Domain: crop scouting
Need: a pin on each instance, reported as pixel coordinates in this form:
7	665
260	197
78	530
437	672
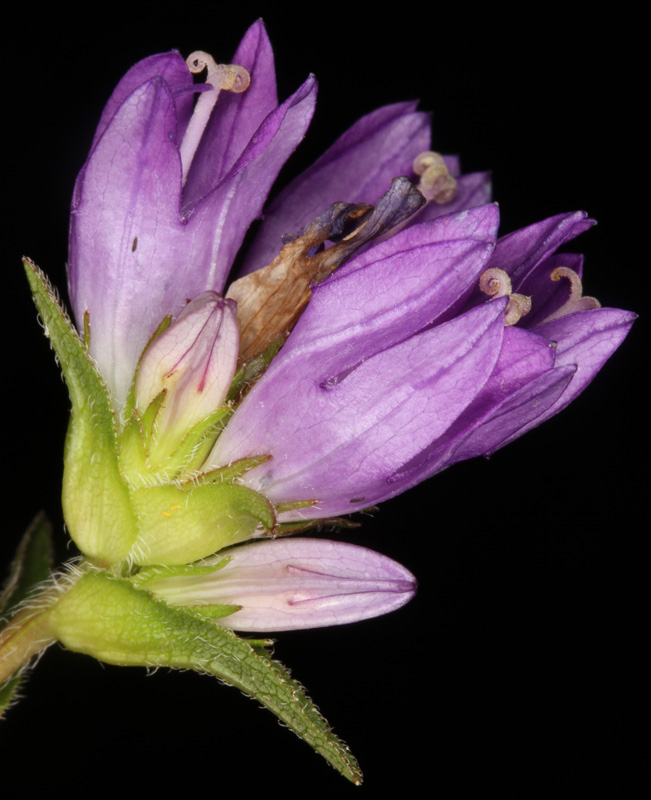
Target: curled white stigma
220	76
496	283
576	301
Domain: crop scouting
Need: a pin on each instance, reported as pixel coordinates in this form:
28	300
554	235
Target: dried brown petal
270	300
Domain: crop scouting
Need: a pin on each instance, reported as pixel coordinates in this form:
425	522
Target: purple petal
472	190
508	397
132	258
394	290
586	339
222	218
583	342
502	423
479	224
522	251
453	164
236	117
122	254
516	414
547	296
293	584
523	357
357	168
339	442
171	68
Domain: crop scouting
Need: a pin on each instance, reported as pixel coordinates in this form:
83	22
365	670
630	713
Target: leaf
112	620
31	566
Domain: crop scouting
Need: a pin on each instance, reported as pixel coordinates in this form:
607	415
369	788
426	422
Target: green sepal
131	397
261	644
179	525
30	567
86	336
289	528
200	439
133	456
280	507
95	498
155	573
252	370
113	621
148	418
146	575
196	443
213	611
139	454
232	471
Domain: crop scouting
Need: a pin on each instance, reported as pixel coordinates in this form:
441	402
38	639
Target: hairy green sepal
114	621
95	499
183	524
119	508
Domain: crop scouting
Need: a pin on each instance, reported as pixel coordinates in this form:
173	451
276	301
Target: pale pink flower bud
289	584
194	362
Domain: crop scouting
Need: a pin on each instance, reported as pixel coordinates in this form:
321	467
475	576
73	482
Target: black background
514	668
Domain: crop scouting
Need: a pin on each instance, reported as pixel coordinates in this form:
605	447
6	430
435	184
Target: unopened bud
288	584
193	362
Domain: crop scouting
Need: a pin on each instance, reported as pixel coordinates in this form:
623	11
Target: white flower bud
194	362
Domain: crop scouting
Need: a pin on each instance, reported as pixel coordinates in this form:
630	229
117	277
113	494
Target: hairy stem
26	634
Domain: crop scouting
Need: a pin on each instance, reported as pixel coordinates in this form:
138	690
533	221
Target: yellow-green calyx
129	496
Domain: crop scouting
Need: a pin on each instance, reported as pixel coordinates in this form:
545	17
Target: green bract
116	622
120	509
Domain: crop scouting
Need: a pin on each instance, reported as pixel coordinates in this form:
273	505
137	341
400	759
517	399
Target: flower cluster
378	331
308	393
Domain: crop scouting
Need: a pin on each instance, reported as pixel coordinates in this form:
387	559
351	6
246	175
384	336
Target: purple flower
167	194
154	223
401	366
431	343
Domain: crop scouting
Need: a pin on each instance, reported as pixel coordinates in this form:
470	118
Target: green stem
27	634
